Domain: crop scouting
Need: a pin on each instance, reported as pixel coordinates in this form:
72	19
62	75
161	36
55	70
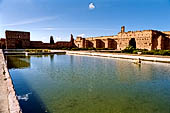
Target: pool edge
13	103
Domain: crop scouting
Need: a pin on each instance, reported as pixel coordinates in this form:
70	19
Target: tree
51	40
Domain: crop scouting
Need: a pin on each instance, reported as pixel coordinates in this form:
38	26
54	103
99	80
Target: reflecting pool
82	84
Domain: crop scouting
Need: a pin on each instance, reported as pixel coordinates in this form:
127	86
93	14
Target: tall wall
21	40
36	44
2	43
146	39
80	42
17	39
142	40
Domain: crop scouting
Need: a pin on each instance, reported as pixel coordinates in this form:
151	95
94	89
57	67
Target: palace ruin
146	39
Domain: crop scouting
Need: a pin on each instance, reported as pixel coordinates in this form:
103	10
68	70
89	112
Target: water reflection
52	58
18	62
79	84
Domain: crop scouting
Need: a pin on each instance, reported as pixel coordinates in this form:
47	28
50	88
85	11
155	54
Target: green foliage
91	48
102	49
74	49
37	50
129	49
77	49
132	50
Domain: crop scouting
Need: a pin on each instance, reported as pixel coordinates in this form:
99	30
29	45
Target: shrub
129	49
37	50
75	48
132	50
91	49
135	51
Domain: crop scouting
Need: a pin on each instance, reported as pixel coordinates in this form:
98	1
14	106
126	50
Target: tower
122	29
72	39
51	40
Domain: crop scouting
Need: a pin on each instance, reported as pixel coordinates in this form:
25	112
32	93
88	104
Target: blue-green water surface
81	84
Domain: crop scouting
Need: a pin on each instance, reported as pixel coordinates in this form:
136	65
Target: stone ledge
152	58
12	98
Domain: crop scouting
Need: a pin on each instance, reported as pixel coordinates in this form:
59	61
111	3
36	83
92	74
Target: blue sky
60	18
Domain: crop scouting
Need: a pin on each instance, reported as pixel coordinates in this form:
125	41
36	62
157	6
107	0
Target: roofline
17	31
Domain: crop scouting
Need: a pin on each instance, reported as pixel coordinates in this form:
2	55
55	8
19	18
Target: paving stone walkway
4	107
8	99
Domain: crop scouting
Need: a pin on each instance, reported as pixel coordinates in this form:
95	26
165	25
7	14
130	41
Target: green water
81	84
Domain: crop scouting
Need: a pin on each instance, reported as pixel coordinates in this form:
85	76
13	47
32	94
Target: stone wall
2	43
41	45
63	44
36	44
80	42
167	43
13	104
146	39
21	40
17	39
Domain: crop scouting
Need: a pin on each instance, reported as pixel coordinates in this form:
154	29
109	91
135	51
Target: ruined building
2	43
17	39
146	39
21	40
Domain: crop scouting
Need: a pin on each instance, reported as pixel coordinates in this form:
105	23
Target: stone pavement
8	99
4	107
153	58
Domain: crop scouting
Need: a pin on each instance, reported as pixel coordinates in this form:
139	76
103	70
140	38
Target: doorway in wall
132	42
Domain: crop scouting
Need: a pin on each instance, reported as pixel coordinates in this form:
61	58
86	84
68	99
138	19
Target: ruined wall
98	42
122	43
41	45
89	44
63	44
166	32
139	39
2	43
36	44
21	40
147	39
142	39
111	43
167	42
17	39
80	42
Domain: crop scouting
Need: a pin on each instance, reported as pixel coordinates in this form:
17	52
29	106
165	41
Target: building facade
3	43
17	39
146	39
21	40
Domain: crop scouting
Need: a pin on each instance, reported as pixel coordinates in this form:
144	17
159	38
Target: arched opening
132	42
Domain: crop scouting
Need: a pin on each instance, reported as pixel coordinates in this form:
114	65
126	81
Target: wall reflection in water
81	84
21	62
18	62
